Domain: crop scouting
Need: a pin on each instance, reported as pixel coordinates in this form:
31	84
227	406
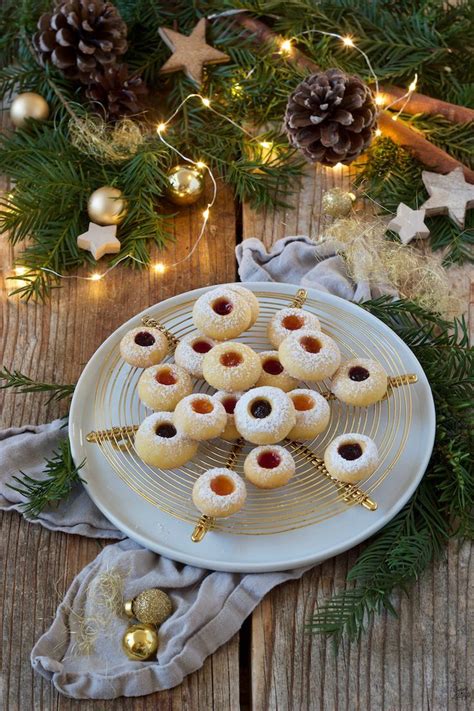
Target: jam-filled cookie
199	416
251	299
273	373
264	415
269	467
142	347
229	401
159	443
161	387
219	492
360	382
312	414
288	321
351	457
222	313
190	352
231	366
310	355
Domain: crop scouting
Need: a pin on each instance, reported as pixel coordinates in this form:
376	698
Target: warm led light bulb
412	86
285	46
266	144
206	101
159	268
338	166
378	132
96	276
19	271
200	165
205	213
348	41
161	127
380	99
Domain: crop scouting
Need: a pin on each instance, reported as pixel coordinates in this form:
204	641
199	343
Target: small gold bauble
151	606
28	106
140	642
337	202
185	184
106	206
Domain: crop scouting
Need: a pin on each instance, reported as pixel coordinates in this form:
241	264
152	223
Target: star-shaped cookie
190	53
99	240
449	194
408	223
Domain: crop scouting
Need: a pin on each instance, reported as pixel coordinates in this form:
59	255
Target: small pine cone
116	91
80	36
331	117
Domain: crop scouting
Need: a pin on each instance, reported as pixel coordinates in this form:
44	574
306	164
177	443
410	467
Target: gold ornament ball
28	106
140	642
106	206
337	202
151	606
185	184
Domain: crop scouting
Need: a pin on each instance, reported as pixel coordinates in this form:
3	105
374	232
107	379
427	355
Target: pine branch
61	477
23	384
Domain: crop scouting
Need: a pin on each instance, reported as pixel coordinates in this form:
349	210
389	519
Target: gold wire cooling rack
312	495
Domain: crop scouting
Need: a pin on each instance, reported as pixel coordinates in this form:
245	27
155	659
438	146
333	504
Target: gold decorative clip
115	435
349	492
206	523
153	323
299	299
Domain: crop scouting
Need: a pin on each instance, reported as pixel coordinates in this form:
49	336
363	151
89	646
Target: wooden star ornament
408	224
190	53
449	194
99	240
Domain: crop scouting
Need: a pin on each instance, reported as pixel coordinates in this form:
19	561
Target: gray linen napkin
209	606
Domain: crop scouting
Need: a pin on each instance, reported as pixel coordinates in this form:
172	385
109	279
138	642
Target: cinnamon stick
427	153
418	104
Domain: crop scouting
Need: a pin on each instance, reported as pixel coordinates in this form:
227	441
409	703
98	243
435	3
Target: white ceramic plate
305	522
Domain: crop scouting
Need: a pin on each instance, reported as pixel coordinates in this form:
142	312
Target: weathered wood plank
53	342
419	660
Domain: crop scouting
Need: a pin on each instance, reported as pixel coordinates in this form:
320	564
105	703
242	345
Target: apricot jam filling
165	377
292	322
222	485
310	344
201	406
231	359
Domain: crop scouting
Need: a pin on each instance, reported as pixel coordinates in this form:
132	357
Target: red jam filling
302	402
165	377
222	485
292	322
310	344
260	409
144	339
273	366
202	406
350	451
222	307
231	359
229	404
268	460
201	347
358	373
166	430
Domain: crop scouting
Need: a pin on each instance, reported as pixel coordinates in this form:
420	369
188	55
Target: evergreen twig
23	384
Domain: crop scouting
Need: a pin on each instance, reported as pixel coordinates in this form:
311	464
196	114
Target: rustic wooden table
418	661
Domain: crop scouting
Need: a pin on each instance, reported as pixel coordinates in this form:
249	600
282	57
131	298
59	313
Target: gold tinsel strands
93	137
371	257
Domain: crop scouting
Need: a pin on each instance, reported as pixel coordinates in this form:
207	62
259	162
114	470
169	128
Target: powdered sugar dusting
281	418
286	465
318	415
220	326
277	331
305	365
213	504
355	469
189	359
143	356
238	377
362	392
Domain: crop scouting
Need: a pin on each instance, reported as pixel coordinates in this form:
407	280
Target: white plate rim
252	567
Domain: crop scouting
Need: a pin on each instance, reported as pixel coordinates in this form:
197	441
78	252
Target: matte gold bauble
337	202
185	184
151	606
140	642
106	206
28	106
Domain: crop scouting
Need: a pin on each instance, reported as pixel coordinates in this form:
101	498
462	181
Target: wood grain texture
53	342
420	660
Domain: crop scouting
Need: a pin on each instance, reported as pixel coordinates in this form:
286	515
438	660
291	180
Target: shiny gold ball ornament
140	642
185	184
151	606
107	206
28	106
337	202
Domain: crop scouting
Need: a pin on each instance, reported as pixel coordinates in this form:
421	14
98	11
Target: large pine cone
331	117
115	91
80	36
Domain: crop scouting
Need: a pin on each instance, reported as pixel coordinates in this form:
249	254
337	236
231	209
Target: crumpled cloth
209	607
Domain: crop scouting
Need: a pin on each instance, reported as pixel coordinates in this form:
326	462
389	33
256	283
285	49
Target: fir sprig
23	384
442	505
61	475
